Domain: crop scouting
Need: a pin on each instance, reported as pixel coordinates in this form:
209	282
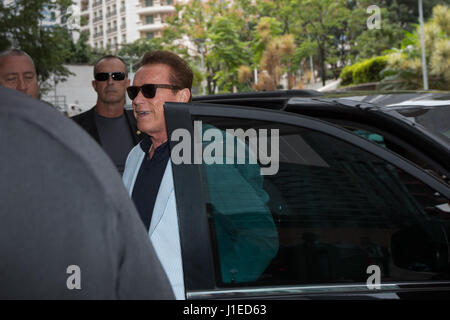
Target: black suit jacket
87	121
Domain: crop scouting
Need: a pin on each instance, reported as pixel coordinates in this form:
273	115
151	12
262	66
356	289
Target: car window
329	212
375	137
435	119
398	145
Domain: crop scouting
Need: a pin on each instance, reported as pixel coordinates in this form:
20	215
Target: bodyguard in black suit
113	127
87	121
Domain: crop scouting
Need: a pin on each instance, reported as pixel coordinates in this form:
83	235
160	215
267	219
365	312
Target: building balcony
111	14
154	9
111	30
97	3
98	34
151	27
97	19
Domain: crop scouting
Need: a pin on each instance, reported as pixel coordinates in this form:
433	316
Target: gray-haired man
17	71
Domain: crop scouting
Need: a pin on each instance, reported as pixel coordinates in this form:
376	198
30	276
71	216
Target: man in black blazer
113	127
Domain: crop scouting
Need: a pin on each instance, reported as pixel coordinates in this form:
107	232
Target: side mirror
422	248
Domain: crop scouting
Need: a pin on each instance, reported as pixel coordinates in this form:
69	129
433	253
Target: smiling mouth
142	113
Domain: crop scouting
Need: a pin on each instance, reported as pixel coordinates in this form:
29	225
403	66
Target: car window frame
197	254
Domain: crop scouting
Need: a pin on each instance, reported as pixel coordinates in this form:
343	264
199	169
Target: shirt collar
146	143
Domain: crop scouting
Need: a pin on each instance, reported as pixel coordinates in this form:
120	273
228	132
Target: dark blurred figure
113	127
68	228
17	71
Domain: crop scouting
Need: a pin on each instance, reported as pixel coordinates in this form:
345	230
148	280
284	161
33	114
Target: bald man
17	71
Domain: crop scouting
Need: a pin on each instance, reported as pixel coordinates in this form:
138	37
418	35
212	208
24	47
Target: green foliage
371	43
369	70
50	48
140	47
264	32
347	75
404	68
228	53
364	71
81	52
224	37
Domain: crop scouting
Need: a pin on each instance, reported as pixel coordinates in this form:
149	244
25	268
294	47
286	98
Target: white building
115	22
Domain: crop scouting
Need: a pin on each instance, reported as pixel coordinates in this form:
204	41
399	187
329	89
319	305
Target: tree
277	60
22	27
404	69
319	21
80	50
227	53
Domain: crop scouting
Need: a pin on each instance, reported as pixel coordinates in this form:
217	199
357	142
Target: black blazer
86	120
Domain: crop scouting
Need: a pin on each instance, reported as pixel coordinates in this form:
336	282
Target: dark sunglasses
148	90
103	76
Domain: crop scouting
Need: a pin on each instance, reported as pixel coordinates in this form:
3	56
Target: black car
362	215
412	124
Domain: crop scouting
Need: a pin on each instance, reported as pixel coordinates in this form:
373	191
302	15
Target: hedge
364	71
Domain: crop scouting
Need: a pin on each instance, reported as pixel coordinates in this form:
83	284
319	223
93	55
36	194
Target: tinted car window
435	119
334	208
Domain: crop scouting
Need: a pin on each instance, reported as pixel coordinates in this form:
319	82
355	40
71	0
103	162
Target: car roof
276	100
279	99
351	106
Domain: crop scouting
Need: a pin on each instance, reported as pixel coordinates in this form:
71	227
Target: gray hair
15	52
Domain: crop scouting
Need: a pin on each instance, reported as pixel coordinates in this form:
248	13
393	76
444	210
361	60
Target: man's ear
94	85
184	95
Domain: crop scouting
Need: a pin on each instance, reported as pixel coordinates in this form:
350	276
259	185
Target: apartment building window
149	3
149	35
149	20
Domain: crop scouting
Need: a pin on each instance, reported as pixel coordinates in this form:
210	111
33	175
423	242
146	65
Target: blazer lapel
165	189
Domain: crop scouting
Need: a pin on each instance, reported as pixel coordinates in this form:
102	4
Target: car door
277	205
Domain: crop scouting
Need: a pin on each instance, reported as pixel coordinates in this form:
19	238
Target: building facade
111	23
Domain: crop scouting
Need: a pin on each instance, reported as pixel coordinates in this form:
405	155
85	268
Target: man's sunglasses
103	76
148	90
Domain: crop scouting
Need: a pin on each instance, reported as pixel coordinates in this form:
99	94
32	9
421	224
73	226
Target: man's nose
139	98
21	84
110	80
